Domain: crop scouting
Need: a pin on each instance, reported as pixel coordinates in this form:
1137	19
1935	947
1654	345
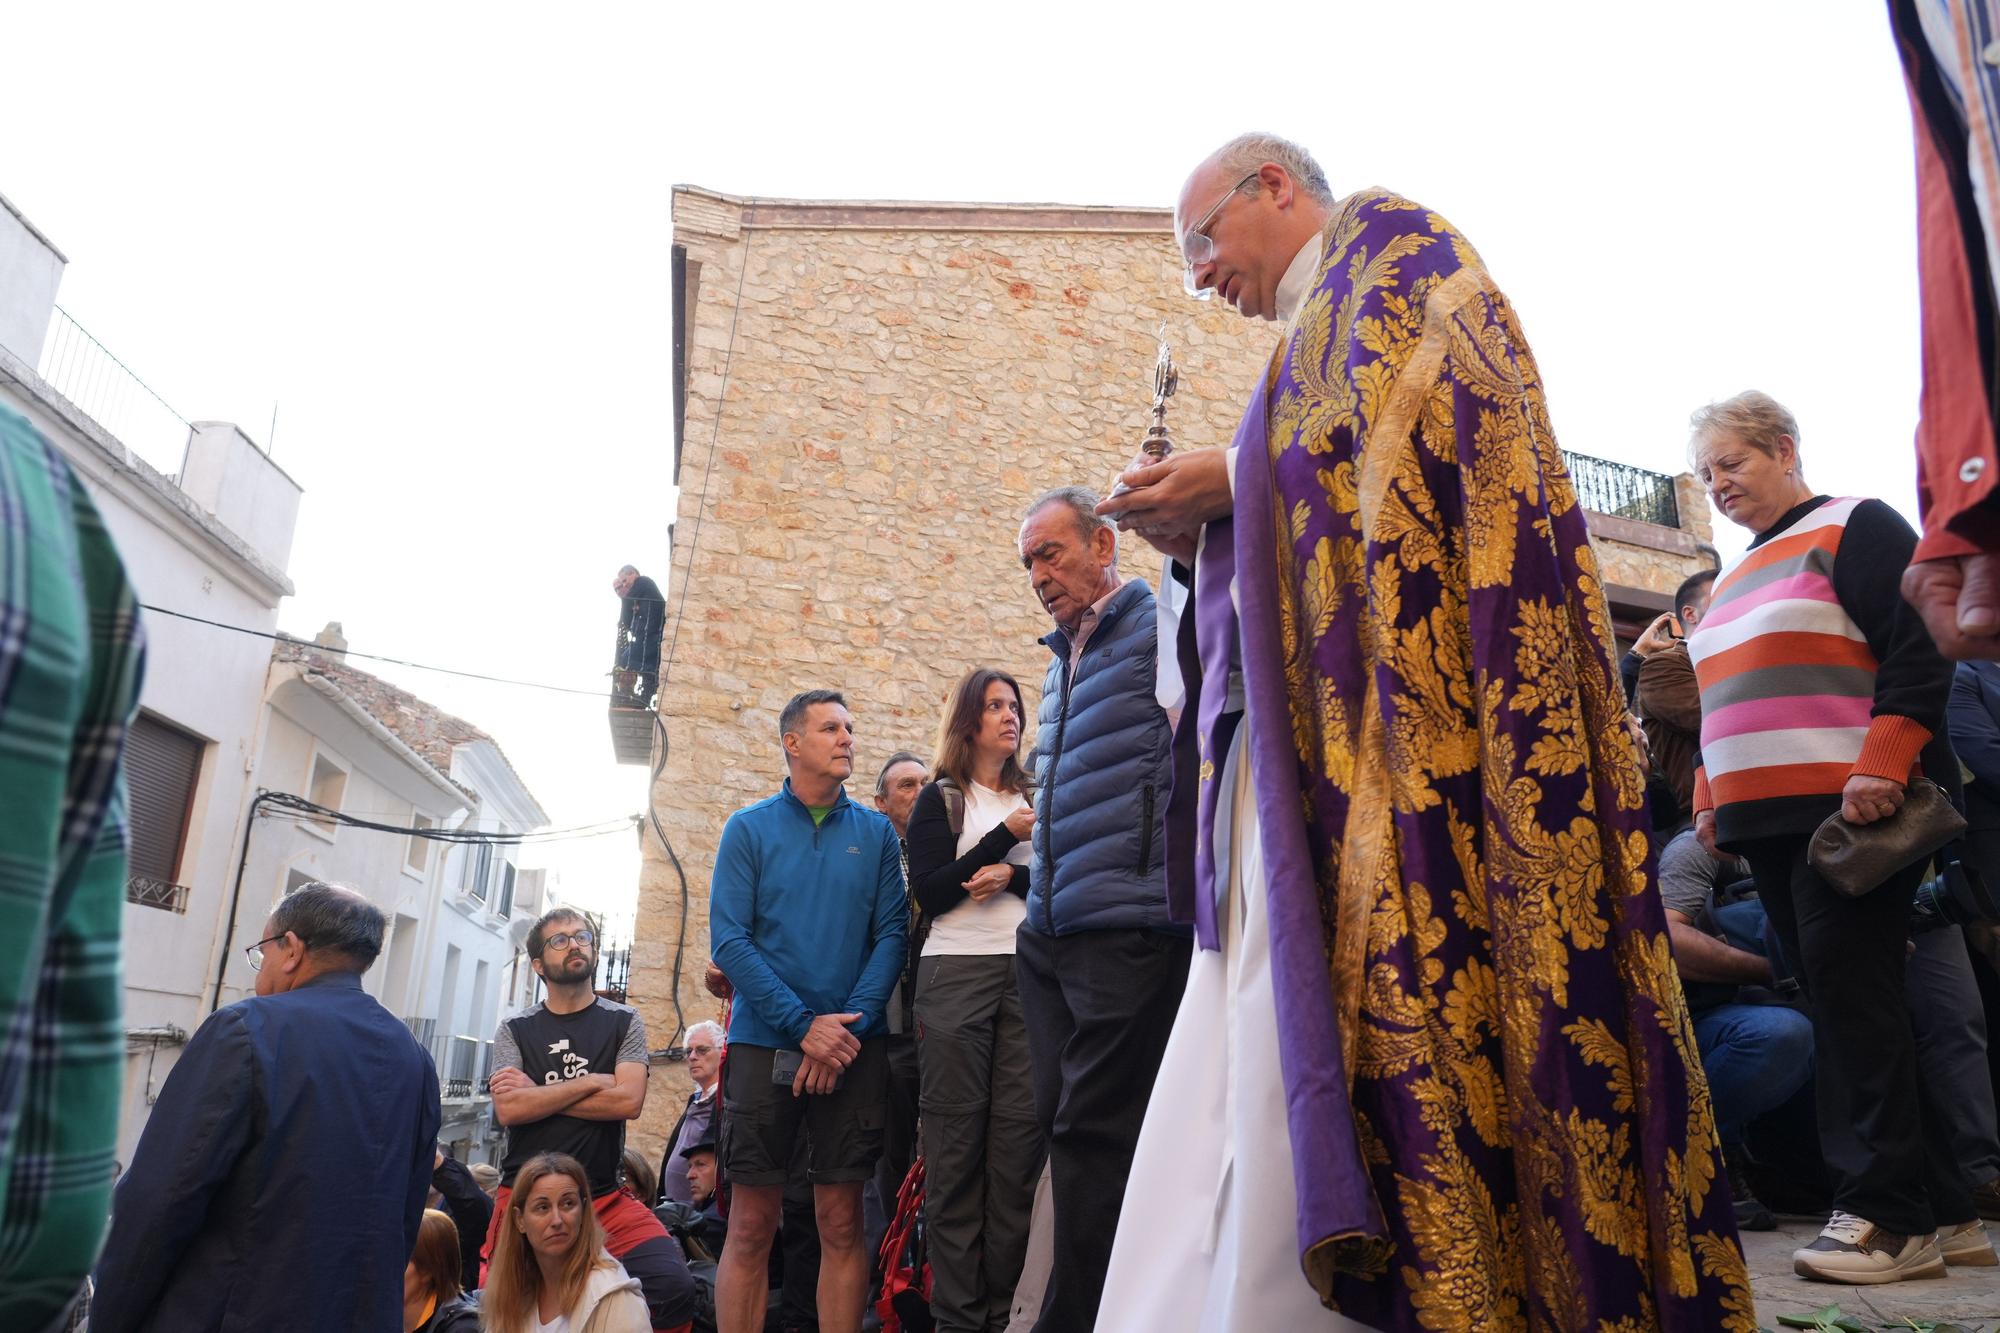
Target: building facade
224	716
212	542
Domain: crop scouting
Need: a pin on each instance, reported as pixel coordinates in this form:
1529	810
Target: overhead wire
300	809
598	693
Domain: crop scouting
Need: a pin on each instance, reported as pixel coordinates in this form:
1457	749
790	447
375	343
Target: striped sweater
1812	669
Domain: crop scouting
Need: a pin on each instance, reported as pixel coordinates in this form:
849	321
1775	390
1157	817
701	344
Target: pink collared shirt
1089	620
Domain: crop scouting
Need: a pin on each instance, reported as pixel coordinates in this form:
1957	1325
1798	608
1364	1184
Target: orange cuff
1890	750
1943	544
1703	802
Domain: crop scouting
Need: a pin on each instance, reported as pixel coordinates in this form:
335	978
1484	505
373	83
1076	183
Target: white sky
437	237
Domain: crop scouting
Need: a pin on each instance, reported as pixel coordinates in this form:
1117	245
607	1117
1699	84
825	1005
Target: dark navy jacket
282	1173
1103	756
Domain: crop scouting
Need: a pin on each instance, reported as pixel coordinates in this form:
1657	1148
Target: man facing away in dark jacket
281	1177
1100	965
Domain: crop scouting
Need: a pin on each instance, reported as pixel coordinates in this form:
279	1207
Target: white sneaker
1853	1249
1967	1245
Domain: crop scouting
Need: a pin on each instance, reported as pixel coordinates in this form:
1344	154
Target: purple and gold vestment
1496	1106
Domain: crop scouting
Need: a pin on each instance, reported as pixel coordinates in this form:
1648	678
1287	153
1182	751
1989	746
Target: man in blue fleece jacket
808	919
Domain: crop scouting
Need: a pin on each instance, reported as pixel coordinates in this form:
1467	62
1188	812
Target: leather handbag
1857	858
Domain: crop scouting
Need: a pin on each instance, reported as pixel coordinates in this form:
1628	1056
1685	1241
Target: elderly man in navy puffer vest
1101	967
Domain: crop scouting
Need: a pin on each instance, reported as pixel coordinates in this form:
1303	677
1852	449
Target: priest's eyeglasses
1198	247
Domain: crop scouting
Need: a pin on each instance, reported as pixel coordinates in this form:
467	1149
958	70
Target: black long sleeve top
937	872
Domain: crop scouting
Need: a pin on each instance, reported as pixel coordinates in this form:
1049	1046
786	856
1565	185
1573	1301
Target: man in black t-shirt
567	1075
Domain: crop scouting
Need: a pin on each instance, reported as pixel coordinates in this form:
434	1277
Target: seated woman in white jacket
550	1271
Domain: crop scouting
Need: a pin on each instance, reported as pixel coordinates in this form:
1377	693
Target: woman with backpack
969	847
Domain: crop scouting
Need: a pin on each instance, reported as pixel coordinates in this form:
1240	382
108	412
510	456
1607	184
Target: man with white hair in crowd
705	1043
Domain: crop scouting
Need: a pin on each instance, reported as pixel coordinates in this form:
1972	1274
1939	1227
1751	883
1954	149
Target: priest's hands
1959	599
1168	501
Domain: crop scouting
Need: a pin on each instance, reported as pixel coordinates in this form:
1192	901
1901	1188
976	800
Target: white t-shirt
988	927
560	1324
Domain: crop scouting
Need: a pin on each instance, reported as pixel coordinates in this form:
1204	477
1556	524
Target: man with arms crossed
567	1075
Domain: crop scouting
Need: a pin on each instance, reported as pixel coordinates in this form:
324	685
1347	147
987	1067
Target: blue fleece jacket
807	920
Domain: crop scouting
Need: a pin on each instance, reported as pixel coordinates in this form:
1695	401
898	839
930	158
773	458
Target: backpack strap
954	804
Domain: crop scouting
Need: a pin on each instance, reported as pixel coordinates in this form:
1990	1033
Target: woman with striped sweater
1822	694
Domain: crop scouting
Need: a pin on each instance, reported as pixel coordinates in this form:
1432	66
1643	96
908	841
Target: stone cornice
711	213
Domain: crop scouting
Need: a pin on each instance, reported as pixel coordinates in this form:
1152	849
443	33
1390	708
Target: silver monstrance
1166	378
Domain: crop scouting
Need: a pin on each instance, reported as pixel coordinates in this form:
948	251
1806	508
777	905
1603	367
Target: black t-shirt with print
550	1048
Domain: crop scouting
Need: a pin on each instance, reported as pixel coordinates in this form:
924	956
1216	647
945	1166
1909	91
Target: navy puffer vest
1103	761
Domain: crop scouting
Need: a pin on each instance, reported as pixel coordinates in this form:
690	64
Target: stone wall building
866	396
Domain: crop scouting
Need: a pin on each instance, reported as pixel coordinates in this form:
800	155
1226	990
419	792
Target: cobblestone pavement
1969	1296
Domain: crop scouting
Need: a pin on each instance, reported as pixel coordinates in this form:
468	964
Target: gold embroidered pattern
1508	1007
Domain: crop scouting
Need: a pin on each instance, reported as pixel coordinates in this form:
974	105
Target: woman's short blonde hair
1753	416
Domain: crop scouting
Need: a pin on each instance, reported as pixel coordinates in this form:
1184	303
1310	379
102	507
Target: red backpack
905	1304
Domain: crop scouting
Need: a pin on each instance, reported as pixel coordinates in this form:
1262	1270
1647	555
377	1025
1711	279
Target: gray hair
900	757
627	569
1247	152
712	1028
794	715
1081	501
334	919
1753	416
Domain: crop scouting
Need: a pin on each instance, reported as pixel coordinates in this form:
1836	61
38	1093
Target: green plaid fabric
70	663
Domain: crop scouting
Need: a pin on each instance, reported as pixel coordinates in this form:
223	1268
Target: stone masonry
894	383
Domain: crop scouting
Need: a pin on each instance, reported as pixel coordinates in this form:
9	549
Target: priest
1433	1069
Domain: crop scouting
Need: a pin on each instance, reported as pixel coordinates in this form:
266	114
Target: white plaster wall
233	479
30	271
203	680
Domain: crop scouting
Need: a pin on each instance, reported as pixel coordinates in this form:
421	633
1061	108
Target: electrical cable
599	693
300	809
675	1052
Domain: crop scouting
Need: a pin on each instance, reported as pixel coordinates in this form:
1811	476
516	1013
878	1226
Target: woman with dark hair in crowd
969	852
433	1301
1822	695
550	1271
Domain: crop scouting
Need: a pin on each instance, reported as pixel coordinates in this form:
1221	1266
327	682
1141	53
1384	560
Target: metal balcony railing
105	389
463	1066
148	892
1623	491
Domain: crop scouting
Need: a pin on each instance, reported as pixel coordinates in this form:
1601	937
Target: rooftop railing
1623	491
105	389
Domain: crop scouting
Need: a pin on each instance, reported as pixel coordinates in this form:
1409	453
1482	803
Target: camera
1954	896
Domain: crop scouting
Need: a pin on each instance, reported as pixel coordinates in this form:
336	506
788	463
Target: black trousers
1885	1146
1099	1006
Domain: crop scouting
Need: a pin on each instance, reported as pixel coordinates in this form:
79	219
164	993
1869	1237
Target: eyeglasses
255	952
564	940
1198	247
701	1050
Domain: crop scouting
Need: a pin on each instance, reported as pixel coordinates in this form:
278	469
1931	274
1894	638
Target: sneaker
1967	1246
1853	1249
1986	1198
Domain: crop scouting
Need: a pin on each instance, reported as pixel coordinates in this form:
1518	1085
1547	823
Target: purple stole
1207	652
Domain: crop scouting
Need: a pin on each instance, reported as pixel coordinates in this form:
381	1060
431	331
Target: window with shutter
162	769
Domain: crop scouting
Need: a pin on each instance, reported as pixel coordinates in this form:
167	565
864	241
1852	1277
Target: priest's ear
1279	182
